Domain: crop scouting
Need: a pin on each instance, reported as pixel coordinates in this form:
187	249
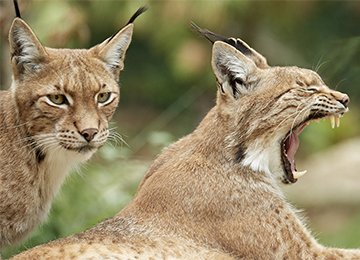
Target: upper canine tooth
298	174
332	121
337	120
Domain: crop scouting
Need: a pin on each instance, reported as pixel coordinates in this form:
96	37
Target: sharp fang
337	120
317	120
332	121
298	174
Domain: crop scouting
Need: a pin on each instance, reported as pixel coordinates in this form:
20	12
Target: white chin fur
62	158
264	158
56	164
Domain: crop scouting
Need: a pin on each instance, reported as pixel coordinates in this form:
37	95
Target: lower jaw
81	154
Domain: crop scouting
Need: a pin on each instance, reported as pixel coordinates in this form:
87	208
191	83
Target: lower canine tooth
298	174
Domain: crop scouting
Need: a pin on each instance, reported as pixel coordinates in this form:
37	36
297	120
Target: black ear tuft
207	34
17	10
132	19
238	44
137	13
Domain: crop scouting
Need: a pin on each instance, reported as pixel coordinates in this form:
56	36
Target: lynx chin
215	194
54	116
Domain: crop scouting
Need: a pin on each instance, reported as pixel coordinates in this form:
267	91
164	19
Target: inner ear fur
249	52
232	69
27	53
112	50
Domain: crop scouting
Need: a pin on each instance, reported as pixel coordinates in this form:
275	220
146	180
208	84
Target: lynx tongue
291	145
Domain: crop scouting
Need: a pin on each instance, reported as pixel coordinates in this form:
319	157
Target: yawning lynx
54	115
215	193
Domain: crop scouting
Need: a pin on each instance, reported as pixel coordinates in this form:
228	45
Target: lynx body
214	194
54	115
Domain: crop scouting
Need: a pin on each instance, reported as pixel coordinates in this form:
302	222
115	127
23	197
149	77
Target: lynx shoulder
54	115
214	194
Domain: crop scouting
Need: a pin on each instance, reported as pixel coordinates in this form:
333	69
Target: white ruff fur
264	157
57	163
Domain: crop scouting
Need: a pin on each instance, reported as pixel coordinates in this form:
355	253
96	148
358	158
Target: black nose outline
89	133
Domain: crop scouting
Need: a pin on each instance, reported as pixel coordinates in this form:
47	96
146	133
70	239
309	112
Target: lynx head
269	106
64	99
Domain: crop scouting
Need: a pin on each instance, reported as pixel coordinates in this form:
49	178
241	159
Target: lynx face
270	107
66	98
54	115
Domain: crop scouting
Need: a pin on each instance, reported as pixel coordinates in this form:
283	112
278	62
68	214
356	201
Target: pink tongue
292	144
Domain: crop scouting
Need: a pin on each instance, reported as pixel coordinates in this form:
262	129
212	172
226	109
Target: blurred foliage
167	85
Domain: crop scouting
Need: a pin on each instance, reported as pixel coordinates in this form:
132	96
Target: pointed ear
232	69
112	51
27	53
249	52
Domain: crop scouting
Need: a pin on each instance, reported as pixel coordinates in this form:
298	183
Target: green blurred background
167	87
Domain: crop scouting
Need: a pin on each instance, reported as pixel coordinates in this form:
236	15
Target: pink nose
89	133
345	100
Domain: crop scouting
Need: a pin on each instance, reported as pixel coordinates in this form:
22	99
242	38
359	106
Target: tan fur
215	194
41	140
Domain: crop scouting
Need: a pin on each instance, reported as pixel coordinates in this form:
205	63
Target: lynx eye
312	90
103	97
57	99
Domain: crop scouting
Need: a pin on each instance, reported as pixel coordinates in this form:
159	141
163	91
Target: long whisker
39	137
339	83
117	138
43	145
305	108
319	64
287	117
16	126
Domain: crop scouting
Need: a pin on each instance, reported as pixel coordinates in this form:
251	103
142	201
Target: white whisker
282	121
16	126
339	83
318	66
305	108
38	137
117	138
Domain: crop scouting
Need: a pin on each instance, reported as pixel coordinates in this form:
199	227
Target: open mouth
291	142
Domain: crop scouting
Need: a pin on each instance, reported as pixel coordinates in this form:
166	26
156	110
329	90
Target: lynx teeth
337	120
298	174
332	121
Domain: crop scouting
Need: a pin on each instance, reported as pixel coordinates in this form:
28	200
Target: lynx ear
240	45
27	53
232	69
112	50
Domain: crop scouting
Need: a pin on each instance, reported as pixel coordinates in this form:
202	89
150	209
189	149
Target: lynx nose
89	133
345	100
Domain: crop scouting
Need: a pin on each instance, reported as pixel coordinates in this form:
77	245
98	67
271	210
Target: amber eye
103	97
57	99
